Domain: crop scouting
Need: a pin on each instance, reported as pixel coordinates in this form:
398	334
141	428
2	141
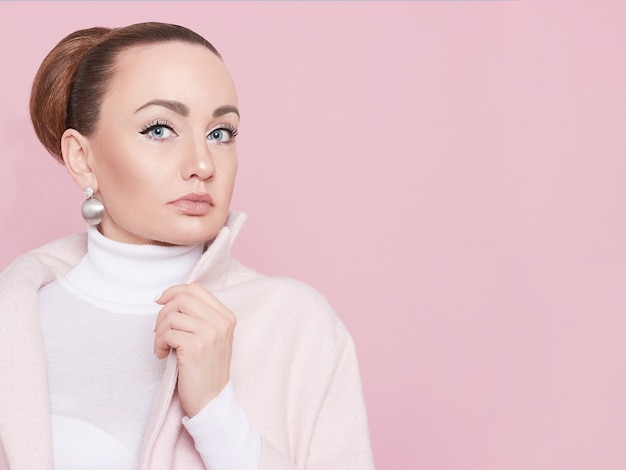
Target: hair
69	86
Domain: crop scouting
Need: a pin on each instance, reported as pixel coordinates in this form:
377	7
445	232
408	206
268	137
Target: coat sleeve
340	438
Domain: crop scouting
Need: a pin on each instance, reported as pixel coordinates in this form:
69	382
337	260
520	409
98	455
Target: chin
194	233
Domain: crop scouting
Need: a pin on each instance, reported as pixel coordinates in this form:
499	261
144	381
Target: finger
170	339
193	308
195	290
179	321
190	332
171	292
198	305
209	328
179	305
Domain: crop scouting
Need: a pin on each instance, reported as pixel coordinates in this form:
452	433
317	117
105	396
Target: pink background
449	174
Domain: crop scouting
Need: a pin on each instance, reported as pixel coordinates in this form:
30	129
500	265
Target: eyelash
232	130
155	124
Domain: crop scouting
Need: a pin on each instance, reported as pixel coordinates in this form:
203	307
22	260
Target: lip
194	204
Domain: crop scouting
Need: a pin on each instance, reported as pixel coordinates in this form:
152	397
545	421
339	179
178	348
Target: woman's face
163	154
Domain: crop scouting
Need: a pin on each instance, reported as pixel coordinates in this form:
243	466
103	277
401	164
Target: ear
76	153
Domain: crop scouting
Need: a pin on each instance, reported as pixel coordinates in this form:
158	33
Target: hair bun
52	83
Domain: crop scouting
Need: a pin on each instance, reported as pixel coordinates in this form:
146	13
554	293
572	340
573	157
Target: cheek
230	165
117	178
230	173
122	175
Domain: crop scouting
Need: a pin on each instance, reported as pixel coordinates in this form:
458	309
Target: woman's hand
200	328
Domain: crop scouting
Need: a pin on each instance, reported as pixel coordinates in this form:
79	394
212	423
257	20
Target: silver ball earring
92	209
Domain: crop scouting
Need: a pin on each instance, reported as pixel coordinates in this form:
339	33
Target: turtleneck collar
64	259
129	274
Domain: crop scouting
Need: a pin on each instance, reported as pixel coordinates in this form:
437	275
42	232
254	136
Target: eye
158	131
222	135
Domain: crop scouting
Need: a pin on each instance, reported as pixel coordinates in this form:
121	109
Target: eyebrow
220	111
183	110
175	106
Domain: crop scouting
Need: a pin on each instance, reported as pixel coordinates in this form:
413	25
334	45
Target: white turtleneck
97	324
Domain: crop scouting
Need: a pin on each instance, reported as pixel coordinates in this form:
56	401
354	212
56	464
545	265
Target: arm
226	440
340	438
223	435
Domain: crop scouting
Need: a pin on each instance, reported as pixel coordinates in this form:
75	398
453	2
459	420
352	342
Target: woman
143	344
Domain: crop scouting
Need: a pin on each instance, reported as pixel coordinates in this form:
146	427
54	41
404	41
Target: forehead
179	71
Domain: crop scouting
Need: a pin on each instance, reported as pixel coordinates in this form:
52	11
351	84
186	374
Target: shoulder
280	291
47	262
285	306
289	289
69	249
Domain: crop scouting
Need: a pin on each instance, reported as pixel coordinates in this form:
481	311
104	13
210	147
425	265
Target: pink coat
294	368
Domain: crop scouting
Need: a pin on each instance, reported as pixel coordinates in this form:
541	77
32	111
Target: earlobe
75	150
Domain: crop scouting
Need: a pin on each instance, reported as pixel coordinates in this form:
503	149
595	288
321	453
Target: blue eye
158	131
222	135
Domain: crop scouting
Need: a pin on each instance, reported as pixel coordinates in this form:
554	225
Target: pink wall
450	175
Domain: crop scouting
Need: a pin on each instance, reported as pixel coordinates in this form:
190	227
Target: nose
198	161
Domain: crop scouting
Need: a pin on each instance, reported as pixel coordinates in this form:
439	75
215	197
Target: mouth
194	204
